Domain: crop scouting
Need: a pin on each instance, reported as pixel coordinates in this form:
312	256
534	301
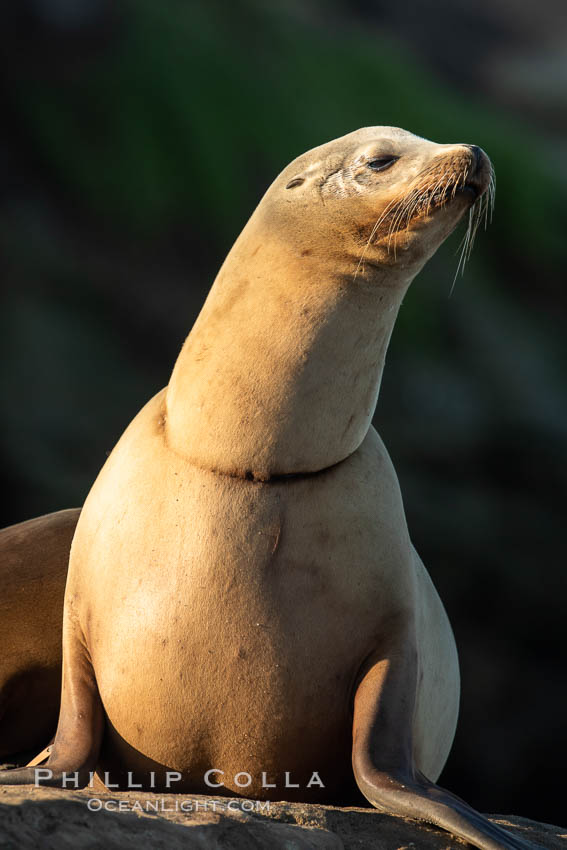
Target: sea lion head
380	198
281	372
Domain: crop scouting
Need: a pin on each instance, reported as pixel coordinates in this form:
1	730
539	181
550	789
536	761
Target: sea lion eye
381	162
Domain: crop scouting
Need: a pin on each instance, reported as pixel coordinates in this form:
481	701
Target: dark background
137	138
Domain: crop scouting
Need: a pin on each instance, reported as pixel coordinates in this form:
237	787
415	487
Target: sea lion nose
478	155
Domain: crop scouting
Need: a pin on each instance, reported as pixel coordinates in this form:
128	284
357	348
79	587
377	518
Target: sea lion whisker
407	209
482	209
492	192
412	207
463	246
372	234
406	205
364	250
396	215
395	225
438	188
477	218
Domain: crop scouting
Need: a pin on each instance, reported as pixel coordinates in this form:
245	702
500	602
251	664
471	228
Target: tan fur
34	557
243	594
242	611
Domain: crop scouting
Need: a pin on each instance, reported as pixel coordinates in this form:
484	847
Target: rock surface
72	820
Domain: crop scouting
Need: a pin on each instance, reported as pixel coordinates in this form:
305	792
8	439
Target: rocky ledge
71	820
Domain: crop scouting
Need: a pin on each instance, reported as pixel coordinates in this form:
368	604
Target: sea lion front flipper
74	752
382	755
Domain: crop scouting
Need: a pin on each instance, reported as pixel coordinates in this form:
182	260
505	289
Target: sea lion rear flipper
383	761
74	752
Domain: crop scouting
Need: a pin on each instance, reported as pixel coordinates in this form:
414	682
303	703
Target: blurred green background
137	140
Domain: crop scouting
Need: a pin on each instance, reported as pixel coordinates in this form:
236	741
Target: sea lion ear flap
303	176
296	181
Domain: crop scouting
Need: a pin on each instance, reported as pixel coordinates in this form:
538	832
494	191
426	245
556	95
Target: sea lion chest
243	609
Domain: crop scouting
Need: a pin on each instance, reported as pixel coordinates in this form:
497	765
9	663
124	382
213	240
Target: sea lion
244	604
34	557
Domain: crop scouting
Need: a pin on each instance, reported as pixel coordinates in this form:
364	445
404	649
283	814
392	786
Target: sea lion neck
281	371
